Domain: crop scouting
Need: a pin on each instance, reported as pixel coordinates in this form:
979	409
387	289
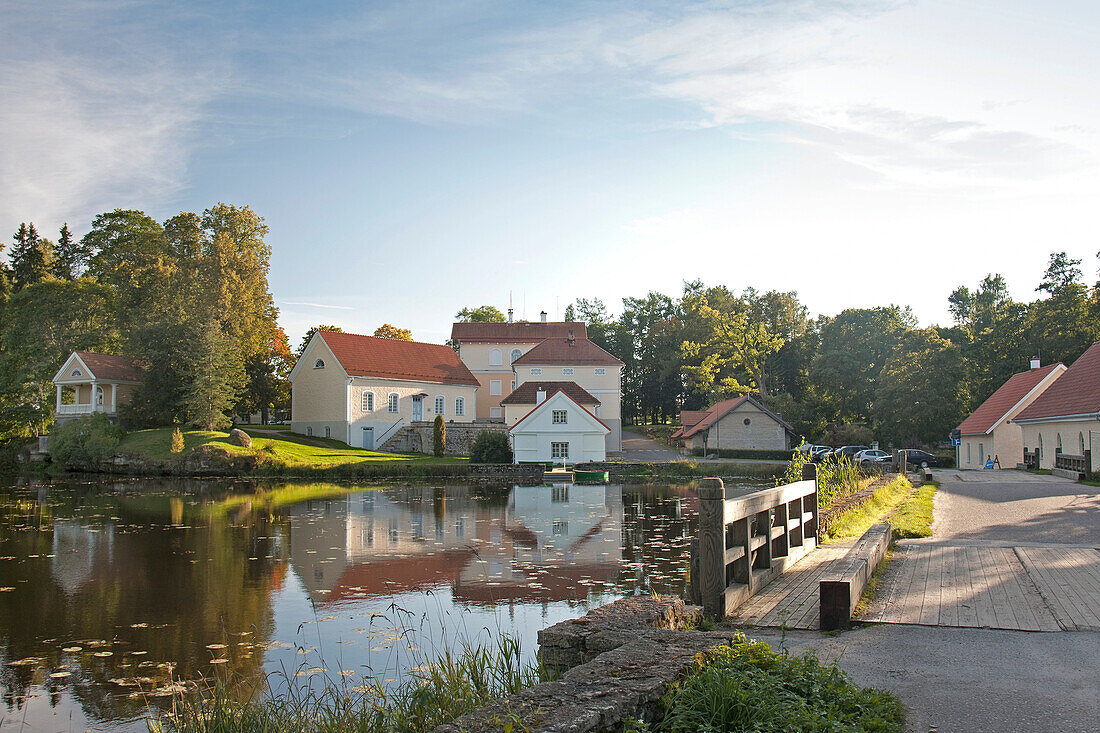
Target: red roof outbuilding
991	412
373	356
1077	392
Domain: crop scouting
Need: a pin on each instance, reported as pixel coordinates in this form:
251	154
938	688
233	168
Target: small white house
559	429
89	382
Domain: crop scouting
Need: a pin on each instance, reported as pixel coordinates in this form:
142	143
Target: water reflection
112	592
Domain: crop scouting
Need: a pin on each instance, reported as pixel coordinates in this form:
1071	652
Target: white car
873	456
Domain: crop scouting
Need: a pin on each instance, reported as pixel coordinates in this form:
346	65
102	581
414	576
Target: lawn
285	453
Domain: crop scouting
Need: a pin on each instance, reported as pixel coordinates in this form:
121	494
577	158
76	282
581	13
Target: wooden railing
1080	464
746	542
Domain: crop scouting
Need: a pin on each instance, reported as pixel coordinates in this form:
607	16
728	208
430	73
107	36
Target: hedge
762	455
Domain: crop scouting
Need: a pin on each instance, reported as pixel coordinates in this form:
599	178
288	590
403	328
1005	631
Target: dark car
849	451
921	458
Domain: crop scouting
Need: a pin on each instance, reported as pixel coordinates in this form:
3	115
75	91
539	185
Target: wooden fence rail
1080	464
746	542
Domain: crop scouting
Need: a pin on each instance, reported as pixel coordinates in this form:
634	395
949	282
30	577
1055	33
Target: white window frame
77	373
559	449
567	372
600	371
495	387
368	402
309	430
440	404
494	412
496	357
328	431
516	353
319	364
536	371
563	414
460	406
393	403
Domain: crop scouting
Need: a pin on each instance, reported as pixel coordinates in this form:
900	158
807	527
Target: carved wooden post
712	546
809	504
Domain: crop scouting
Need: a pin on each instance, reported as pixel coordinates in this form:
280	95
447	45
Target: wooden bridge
958	582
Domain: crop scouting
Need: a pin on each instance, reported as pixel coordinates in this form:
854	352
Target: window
981	452
1040	446
440	404
368	402
560	417
748	421
460	405
536	372
599	371
77	373
495	357
513	385
309	430
319	364
494	386
559	450
393	402
968	457
494	412
567	372
328	432
1081	439
516	353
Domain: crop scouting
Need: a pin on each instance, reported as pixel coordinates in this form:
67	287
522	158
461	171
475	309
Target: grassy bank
278	454
695	469
908	509
748	686
914	517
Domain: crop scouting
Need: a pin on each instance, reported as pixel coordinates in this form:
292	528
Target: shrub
747	686
176	446
491	447
85	441
439	436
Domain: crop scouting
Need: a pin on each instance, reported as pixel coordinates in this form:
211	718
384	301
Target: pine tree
31	257
212	379
70	257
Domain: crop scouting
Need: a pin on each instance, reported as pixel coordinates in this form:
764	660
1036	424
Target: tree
313	330
439	436
31	257
921	391
268	386
648	338
70	257
480	314
212	379
387	331
1062	272
1062	325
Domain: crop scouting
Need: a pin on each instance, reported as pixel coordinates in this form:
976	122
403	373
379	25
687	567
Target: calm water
111	593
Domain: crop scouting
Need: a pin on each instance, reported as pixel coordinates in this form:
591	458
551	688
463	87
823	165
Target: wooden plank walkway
969	585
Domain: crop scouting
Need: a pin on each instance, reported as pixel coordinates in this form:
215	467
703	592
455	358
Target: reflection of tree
657	528
151	584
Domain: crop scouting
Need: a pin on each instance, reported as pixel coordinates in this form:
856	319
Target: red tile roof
519	332
527	393
373	356
1077	392
721	409
567	353
691	417
111	366
1001	402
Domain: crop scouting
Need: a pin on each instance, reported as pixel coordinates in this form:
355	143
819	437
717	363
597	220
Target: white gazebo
89	382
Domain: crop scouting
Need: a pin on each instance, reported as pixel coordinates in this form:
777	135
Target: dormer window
77	373
319	364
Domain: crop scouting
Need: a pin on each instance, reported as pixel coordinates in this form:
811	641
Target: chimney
1035	362
509	315
543	316
572	341
540	396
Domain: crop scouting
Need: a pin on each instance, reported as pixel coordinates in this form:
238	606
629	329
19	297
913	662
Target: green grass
285	495
747	686
859	519
435	692
914	517
287	454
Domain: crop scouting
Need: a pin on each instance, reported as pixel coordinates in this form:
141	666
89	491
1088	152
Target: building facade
742	423
90	382
363	389
561	430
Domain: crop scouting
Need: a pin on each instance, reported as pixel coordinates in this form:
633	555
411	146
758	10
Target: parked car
820	453
850	451
873	456
921	458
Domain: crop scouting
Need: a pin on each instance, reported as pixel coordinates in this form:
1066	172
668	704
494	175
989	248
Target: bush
439	437
747	686
491	447
176	445
85	441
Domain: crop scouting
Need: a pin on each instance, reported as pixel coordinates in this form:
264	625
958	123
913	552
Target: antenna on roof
509	306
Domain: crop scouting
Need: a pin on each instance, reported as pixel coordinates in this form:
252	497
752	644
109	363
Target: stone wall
418	437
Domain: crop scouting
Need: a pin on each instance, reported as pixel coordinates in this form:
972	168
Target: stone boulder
240	437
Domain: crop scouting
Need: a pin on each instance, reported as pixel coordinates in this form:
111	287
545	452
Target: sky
414	158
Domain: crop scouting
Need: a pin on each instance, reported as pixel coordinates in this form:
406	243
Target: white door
418	408
368	438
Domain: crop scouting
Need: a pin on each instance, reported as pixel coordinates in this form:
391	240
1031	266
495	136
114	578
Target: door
418	408
368	438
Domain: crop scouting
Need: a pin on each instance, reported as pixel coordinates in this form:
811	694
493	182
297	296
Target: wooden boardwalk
978	585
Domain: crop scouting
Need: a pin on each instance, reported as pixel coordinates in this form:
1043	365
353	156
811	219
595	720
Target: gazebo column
114	398
58	408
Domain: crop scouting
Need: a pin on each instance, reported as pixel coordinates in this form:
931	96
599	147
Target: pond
111	593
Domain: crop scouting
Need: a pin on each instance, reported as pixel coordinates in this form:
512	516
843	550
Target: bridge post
809	473
712	546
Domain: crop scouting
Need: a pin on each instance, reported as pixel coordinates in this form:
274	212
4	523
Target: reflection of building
76	549
542	544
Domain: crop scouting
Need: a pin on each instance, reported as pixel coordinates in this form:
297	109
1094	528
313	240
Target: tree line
862	374
188	298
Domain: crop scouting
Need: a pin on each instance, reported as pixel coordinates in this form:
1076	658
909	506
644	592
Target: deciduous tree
480	314
388	331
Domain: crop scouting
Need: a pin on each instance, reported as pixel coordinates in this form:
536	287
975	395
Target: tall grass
835	478
455	683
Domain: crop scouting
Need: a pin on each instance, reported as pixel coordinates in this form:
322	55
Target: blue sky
413	158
